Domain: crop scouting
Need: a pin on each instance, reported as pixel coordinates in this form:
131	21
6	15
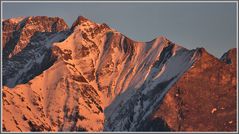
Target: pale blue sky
208	25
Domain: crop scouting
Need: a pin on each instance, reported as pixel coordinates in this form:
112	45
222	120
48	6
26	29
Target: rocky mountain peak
89	29
17	32
52	24
109	82
202	50
205	54
14	20
230	56
80	21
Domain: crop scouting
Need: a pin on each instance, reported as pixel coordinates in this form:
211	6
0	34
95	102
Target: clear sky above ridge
191	25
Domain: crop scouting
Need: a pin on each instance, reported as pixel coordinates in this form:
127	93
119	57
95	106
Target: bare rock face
17	32
93	78
230	57
203	99
9	26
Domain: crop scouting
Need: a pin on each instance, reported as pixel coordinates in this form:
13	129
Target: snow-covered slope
56	100
99	69
99	80
20	69
131	108
27	46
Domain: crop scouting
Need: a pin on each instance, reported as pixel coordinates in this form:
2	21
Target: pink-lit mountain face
91	77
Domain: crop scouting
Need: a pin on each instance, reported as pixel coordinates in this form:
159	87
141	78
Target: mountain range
90	77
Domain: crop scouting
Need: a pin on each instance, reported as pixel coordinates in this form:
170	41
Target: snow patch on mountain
17	71
105	81
134	105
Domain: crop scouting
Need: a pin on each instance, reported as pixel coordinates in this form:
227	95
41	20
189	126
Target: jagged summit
89	29
230	56
109	82
80	20
204	53
15	20
18	32
92	28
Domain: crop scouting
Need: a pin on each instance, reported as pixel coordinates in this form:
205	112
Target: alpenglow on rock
90	77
